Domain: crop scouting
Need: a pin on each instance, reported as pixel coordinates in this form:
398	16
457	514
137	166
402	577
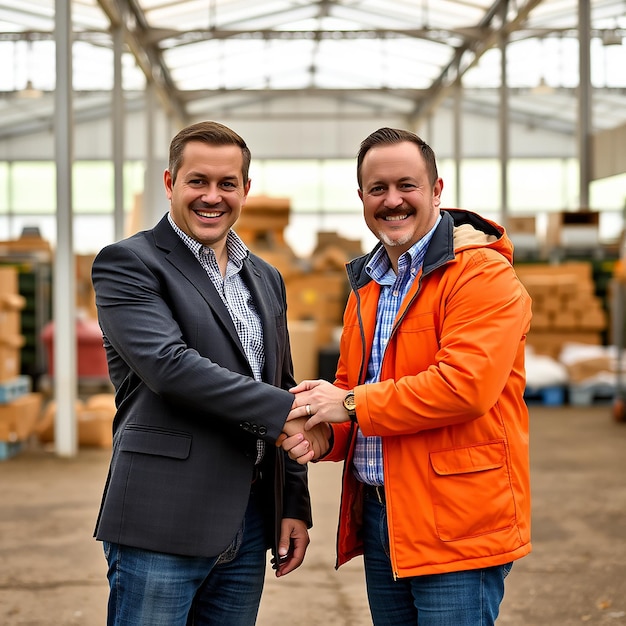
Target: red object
91	355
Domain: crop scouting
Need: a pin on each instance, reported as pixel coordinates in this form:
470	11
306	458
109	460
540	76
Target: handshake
306	433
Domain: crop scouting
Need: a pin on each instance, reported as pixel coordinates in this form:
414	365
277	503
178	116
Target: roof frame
129	16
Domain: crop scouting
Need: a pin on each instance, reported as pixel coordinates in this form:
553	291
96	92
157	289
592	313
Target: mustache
200	205
383	213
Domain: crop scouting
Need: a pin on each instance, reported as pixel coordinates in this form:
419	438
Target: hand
292	545
320	401
309	445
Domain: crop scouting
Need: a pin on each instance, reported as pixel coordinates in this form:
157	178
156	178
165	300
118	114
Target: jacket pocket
471	491
156	441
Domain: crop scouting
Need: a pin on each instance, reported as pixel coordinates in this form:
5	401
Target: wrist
349	404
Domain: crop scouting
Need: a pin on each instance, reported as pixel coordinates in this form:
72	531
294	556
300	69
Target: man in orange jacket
427	408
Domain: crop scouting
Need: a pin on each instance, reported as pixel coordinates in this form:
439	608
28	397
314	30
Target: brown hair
212	133
389	136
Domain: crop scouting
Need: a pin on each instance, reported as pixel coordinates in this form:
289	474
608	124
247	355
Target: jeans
157	589
467	598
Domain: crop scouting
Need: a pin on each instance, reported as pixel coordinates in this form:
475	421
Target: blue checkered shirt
236	298
368	454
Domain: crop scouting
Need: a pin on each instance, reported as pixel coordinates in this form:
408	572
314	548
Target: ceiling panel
347	50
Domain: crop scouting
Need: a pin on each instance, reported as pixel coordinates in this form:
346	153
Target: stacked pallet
19	406
318	297
317	287
592	373
565	307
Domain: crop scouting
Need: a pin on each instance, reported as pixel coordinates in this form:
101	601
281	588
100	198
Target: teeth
395	218
212	214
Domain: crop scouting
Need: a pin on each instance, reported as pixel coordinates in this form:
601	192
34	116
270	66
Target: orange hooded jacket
449	406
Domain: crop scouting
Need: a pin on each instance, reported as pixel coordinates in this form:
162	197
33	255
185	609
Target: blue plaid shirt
368	454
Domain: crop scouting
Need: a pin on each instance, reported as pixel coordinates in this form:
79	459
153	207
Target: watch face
349	402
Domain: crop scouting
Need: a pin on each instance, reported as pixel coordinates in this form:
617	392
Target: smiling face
400	203
208	194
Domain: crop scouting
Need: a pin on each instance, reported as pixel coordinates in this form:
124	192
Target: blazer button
262	430
254	428
245	425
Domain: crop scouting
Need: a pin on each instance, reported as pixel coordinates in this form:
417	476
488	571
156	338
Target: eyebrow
202	175
400	180
194	175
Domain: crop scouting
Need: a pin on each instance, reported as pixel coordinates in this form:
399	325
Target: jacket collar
444	243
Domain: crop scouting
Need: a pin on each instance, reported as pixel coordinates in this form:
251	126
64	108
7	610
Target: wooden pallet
547	396
587	395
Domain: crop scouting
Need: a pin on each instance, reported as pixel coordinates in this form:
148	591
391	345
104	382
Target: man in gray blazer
195	331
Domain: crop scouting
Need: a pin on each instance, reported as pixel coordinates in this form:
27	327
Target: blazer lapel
262	296
179	255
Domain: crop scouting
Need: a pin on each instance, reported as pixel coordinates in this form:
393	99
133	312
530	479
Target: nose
393	198
211	195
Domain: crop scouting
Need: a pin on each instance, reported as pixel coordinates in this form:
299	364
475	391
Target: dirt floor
52	573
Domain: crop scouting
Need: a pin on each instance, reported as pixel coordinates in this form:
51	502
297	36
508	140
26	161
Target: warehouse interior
528	126
523	102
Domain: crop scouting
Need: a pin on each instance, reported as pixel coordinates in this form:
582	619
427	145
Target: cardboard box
564	301
263	215
574	229
550	342
303	338
85	294
9	280
94	421
566	320
11	302
10	356
19	417
319	297
521	225
11	315
580	269
586	369
95	428
593	319
326	238
542	320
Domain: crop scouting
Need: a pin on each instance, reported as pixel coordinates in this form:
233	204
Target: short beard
392	243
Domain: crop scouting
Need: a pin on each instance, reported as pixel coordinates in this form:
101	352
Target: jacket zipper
355	288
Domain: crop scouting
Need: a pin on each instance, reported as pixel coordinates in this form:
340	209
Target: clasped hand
317	403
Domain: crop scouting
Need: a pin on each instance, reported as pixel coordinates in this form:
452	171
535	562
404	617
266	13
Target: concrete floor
52	573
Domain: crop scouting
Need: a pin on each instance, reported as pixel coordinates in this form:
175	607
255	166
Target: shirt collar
236	248
379	265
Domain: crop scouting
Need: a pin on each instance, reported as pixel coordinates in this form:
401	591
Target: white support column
584	101
64	275
504	121
118	119
457	140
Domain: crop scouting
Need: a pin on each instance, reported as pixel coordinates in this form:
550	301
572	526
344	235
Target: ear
437	189
246	191
167	181
360	192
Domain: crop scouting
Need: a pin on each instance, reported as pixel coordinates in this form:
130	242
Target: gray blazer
189	412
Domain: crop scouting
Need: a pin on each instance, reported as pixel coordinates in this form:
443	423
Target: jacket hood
471	230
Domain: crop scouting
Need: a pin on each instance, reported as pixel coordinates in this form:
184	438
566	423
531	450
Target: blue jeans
156	589
467	598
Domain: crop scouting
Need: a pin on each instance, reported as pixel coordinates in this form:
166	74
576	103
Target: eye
195	182
228	184
378	189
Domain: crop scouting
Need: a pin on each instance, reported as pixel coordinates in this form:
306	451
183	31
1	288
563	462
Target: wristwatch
350	405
